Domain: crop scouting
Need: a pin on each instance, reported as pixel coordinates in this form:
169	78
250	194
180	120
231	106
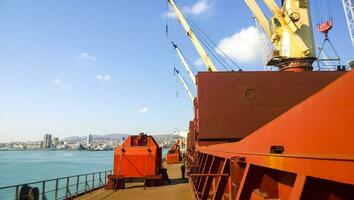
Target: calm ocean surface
17	167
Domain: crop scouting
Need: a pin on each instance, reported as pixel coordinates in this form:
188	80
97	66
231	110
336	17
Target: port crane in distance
290	32
198	46
349	14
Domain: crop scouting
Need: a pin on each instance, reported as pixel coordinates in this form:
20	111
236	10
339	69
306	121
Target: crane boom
261	18
202	53
184	85
349	14
290	31
185	64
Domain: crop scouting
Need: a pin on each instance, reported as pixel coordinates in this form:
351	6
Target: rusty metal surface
191	136
298	145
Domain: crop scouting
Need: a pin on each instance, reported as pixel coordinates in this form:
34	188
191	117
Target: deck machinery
173	156
273	135
138	158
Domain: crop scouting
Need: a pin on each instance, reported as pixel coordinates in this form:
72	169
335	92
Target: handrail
61	188
47	180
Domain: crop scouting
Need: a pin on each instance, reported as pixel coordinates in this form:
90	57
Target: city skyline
84	137
88	143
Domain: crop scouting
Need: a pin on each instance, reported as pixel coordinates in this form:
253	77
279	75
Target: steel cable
211	47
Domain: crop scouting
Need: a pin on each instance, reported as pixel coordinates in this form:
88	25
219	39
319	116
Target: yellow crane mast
290	31
184	62
202	53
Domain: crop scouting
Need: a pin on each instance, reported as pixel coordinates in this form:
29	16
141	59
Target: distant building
55	141
62	147
34	145
19	146
89	139
78	146
47	142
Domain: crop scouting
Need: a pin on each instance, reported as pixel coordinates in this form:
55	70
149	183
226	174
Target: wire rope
216	47
220	56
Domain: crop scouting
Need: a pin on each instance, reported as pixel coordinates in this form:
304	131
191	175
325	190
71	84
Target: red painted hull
294	136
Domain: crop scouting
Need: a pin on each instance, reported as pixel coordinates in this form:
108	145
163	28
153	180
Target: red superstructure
273	135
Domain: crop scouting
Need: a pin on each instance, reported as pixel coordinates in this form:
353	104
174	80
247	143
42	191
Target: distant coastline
81	143
37	150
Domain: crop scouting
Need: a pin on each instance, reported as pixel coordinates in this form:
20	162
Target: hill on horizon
107	137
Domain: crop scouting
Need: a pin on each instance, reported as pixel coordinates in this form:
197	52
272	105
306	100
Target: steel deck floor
178	189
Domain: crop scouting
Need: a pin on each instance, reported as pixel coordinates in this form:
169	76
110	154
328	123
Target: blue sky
98	67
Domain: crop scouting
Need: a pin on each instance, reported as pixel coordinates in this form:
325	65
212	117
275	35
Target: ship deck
178	189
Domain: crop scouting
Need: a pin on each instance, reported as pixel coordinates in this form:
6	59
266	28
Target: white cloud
87	56
170	13
65	87
106	77
200	7
58	83
143	110
245	47
99	77
198	62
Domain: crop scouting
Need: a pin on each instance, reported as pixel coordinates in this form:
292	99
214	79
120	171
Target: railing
60	188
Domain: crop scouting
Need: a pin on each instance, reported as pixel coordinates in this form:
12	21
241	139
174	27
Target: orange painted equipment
174	155
325	27
273	135
139	156
175	146
173	158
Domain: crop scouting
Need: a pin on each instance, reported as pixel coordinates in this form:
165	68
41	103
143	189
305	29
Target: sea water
18	167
